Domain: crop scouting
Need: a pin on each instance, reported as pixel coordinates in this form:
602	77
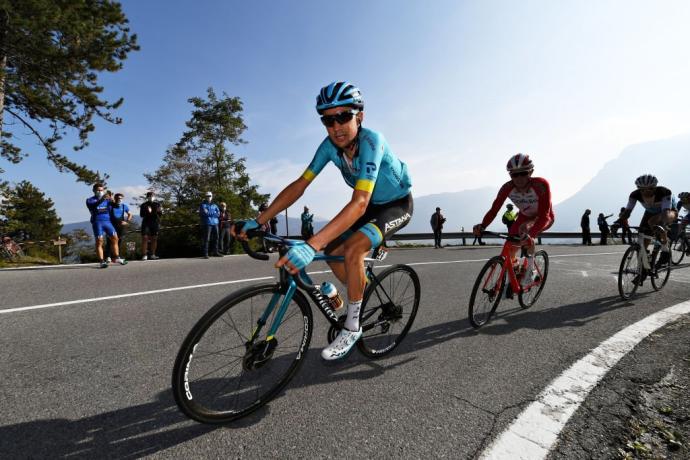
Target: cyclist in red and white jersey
532	196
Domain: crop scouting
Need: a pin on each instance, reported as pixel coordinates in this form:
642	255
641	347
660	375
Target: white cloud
132	192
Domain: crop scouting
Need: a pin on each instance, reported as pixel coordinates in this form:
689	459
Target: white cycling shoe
342	345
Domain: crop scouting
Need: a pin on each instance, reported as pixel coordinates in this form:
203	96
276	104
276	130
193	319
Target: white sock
352	321
530	263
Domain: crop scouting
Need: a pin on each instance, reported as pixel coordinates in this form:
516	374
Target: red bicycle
488	289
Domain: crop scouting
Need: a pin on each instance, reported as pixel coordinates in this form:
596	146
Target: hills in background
606	192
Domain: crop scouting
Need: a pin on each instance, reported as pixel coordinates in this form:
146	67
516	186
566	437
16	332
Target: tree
25	209
201	161
51	55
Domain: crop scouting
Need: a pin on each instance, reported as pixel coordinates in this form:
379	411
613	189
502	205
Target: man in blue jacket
209	214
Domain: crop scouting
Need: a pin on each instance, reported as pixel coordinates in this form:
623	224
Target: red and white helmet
519	163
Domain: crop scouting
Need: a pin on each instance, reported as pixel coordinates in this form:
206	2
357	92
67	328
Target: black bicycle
249	345
638	264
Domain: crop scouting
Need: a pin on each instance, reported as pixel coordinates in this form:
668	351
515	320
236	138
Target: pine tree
51	55
26	210
202	161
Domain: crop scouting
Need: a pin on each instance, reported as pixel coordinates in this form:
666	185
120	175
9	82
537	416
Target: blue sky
456	87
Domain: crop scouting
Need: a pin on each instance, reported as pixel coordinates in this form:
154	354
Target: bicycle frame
289	283
506	254
643	256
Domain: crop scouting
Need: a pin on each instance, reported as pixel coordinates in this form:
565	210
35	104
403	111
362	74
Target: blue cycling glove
301	255
250	225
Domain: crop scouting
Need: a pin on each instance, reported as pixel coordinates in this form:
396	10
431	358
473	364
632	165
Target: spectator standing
270	226
150	212
624	226
274	225
509	216
307	224
209	214
437	221
99	207
120	217
226	239
603	227
584	224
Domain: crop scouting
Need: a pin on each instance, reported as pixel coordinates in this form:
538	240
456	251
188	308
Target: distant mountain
461	209
608	191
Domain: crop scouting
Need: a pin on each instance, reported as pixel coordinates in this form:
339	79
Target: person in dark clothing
603	228
437	221
307	224
150	212
584	224
622	223
226	239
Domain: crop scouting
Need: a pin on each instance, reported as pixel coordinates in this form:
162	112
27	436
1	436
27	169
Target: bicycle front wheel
678	248
528	297
629	272
486	293
662	271
388	310
222	373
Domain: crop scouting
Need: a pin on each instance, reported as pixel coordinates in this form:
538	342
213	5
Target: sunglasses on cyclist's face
647	190
341	118
520	174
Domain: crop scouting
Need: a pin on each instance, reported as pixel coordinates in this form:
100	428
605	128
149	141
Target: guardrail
465	235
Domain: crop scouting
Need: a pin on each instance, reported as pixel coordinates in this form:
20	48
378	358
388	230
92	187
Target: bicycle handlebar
260	255
245	243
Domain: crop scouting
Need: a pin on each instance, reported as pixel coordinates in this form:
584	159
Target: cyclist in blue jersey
99	207
380	205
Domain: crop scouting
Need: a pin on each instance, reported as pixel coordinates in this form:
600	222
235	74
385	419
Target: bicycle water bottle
331	293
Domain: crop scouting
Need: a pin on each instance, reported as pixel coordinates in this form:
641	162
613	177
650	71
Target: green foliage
51	55
201	161
26	209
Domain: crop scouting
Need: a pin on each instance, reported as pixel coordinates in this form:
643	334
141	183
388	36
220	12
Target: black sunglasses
519	174
341	118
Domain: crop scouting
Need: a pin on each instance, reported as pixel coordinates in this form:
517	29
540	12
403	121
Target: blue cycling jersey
374	168
99	208
118	211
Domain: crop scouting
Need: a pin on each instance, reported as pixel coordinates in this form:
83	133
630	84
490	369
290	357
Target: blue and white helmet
646	180
337	94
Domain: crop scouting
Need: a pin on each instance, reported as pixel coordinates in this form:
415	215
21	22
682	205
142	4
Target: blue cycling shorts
101	228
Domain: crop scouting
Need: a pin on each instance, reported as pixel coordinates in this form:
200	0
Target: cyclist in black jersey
656	201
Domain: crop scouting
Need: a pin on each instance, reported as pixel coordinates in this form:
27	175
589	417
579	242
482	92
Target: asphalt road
92	378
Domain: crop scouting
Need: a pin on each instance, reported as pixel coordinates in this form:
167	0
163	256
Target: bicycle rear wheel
541	271
388	310
628	272
662	272
221	375
486	293
678	248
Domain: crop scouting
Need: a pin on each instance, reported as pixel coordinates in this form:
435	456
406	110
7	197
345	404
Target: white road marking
131	294
221	283
534	432
584	273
